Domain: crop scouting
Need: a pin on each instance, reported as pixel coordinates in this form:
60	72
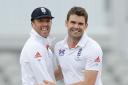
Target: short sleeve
94	59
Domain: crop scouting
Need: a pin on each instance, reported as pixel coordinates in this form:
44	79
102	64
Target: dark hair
78	11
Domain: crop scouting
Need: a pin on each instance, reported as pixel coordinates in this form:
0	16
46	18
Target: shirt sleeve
38	64
94	60
40	71
34	66
27	75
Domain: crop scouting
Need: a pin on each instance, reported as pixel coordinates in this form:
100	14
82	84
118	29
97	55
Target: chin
77	36
45	36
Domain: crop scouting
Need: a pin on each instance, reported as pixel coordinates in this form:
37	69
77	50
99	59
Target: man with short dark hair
79	56
36	57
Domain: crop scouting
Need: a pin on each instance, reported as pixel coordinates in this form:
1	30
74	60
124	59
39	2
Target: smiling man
36	56
79	56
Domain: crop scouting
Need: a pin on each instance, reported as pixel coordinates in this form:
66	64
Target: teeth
44	29
75	30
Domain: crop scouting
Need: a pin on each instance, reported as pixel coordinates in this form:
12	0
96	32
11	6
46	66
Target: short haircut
79	11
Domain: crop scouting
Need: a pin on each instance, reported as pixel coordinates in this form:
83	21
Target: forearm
46	82
79	83
90	78
58	74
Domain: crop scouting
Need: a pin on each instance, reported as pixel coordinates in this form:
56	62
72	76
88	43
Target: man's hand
90	78
39	84
58	73
46	82
79	83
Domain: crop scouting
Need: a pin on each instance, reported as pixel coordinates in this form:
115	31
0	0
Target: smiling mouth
75	30
44	29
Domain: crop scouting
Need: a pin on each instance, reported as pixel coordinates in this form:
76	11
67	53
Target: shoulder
93	46
59	44
32	47
33	44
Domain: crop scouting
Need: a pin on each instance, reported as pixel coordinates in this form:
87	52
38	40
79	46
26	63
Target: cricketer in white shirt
36	60
87	55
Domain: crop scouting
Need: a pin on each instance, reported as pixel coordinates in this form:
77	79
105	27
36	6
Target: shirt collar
34	34
65	42
81	43
83	40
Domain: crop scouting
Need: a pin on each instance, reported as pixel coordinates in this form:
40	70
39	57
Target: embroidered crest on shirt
38	56
79	52
78	55
61	52
97	59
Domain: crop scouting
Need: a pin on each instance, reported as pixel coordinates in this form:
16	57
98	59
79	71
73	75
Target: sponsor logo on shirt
97	59
61	52
38	56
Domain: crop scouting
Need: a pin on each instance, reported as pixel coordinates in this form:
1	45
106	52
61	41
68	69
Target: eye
48	20
81	23
73	22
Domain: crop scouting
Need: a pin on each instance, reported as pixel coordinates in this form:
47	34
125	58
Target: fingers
49	82
42	84
46	81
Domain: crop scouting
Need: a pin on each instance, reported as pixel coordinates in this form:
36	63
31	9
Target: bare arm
90	78
58	74
46	82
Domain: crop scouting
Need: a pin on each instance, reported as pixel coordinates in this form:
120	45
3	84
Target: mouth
75	30
44	29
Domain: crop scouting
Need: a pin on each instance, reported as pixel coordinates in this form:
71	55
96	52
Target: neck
72	42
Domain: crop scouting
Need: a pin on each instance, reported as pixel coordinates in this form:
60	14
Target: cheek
69	29
83	28
33	25
36	25
50	26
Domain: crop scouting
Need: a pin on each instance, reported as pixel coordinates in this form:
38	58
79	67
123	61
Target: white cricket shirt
36	60
87	55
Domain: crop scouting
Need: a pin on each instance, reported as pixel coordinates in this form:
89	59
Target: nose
45	23
76	25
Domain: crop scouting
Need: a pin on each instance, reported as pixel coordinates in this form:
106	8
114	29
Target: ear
86	25
32	24
66	22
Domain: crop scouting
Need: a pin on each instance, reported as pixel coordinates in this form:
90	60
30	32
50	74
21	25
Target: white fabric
34	70
76	60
